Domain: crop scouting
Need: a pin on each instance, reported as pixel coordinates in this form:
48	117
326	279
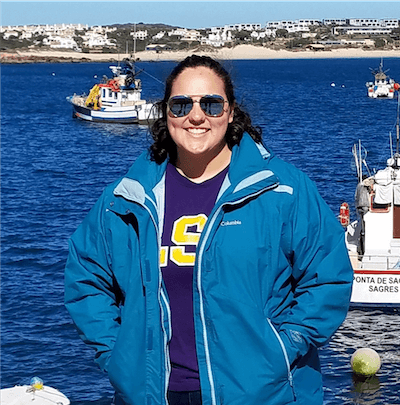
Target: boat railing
127	103
378	261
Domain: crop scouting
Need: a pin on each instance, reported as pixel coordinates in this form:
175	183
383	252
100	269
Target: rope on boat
159	81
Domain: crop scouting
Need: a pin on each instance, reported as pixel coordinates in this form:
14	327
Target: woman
213	270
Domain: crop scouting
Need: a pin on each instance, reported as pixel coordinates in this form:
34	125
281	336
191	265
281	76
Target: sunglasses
211	104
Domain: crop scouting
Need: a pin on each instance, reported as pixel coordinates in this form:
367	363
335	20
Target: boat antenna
391	144
381	67
397	127
360	160
396	156
360	154
134	41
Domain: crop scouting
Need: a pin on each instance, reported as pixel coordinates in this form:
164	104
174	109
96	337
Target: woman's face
196	133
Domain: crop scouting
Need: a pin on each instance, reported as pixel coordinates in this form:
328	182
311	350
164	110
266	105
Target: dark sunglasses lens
180	106
212	105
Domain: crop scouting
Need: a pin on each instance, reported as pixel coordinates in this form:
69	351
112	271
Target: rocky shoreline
15	58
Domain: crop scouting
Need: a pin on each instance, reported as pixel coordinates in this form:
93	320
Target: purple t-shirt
187	207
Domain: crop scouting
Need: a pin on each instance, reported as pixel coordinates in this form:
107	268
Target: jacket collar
143	184
248	173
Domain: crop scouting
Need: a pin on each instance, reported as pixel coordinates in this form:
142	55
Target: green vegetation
379	43
13	42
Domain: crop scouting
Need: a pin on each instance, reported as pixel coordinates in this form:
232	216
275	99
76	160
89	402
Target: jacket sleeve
322	273
90	295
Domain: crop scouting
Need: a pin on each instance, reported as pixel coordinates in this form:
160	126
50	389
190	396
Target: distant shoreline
241	52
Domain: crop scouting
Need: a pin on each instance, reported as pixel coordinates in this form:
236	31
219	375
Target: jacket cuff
103	360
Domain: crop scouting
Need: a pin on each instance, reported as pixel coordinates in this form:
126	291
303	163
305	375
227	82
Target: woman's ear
231	114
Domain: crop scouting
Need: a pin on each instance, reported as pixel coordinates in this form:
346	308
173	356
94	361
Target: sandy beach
258	52
236	53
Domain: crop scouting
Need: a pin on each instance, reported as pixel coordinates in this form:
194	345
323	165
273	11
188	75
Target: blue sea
54	167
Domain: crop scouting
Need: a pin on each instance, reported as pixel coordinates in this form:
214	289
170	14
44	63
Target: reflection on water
366	390
125	130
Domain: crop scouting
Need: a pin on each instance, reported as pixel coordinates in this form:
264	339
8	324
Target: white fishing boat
382	86
373	240
115	100
34	394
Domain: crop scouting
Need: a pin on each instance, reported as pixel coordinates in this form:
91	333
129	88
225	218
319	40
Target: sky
188	14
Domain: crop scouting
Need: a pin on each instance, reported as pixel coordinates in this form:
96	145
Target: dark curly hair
163	145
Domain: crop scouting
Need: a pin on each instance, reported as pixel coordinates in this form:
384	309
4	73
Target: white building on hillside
141	35
364	22
159	35
248	27
56	35
259	35
291	26
178	32
364	26
94	40
351	30
10	34
309	21
270	32
192	35
59	42
185	34
390	22
238	27
26	35
334	21
217	37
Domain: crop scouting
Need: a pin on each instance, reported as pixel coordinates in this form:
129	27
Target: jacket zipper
161	296
199	261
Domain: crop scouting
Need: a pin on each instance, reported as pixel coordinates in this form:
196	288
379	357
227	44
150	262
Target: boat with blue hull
116	99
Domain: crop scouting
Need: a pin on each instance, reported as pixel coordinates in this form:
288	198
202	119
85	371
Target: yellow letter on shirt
182	237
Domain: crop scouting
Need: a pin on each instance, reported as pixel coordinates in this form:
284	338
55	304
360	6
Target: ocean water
54	167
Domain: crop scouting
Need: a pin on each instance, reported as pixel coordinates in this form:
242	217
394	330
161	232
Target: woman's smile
197	131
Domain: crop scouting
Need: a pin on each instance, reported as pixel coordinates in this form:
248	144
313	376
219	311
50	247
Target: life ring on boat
114	85
344	214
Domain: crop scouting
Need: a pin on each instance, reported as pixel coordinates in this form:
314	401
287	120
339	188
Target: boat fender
344	214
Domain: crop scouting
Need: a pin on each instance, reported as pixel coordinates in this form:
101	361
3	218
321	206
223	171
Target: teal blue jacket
272	283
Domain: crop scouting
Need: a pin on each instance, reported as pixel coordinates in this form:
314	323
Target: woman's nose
196	114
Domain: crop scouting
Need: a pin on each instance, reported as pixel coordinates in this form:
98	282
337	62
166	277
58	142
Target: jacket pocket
285	355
